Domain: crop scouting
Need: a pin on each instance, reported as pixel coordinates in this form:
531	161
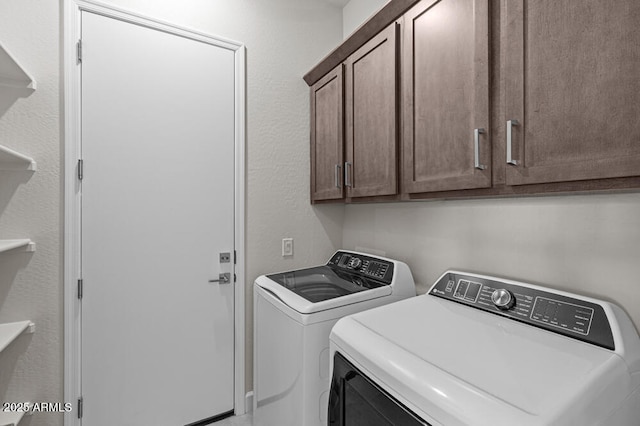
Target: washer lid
458	365
320	288
323	283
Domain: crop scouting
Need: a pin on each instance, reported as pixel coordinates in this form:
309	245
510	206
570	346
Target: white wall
284	39
356	12
589	244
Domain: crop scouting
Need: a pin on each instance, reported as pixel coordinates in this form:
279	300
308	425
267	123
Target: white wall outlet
287	247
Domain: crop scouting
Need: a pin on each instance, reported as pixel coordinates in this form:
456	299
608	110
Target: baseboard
248	402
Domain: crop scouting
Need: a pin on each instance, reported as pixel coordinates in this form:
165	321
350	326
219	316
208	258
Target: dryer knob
503	299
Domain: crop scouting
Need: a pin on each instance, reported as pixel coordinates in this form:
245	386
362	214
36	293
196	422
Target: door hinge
79	51
80	288
80	407
80	169
235	257
235	278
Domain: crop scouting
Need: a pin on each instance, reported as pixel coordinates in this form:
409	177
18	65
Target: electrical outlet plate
287	247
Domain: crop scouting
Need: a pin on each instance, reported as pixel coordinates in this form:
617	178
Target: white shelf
24	244
10	419
12	75
11	331
14	81
12	160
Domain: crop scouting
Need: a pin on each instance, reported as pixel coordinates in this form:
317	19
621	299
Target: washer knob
503	299
355	263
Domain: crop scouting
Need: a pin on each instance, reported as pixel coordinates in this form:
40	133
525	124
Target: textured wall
30	283
588	244
356	12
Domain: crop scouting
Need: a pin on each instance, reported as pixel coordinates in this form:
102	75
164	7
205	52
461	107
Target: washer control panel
571	317
368	266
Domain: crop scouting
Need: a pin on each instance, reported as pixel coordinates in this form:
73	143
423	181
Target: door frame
72	196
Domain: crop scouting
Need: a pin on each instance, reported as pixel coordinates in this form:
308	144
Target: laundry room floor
245	420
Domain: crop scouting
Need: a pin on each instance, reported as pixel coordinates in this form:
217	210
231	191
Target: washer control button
503	299
354	263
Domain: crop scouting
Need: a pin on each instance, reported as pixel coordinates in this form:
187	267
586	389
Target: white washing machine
293	316
479	350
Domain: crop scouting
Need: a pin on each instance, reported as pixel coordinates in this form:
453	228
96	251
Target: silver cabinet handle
347	181
510	125
337	175
222	278
476	148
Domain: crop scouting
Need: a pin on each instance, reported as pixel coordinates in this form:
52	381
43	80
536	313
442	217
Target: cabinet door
445	96
572	84
372	132
327	129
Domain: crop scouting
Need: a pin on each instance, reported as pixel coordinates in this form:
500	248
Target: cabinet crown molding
379	21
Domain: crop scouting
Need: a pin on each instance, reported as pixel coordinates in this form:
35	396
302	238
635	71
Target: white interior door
157	209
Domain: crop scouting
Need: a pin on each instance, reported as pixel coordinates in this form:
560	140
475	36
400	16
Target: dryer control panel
542	308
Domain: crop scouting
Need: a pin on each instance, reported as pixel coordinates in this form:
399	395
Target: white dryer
293	315
479	350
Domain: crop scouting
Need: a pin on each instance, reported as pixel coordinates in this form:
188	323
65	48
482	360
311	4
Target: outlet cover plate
287	247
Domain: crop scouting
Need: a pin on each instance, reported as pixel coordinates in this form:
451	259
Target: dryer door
357	401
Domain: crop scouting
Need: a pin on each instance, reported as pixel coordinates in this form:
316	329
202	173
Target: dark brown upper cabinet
495	98
327	133
445	96
371	163
572	90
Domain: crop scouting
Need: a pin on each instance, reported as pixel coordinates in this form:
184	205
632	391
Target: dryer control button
503	299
